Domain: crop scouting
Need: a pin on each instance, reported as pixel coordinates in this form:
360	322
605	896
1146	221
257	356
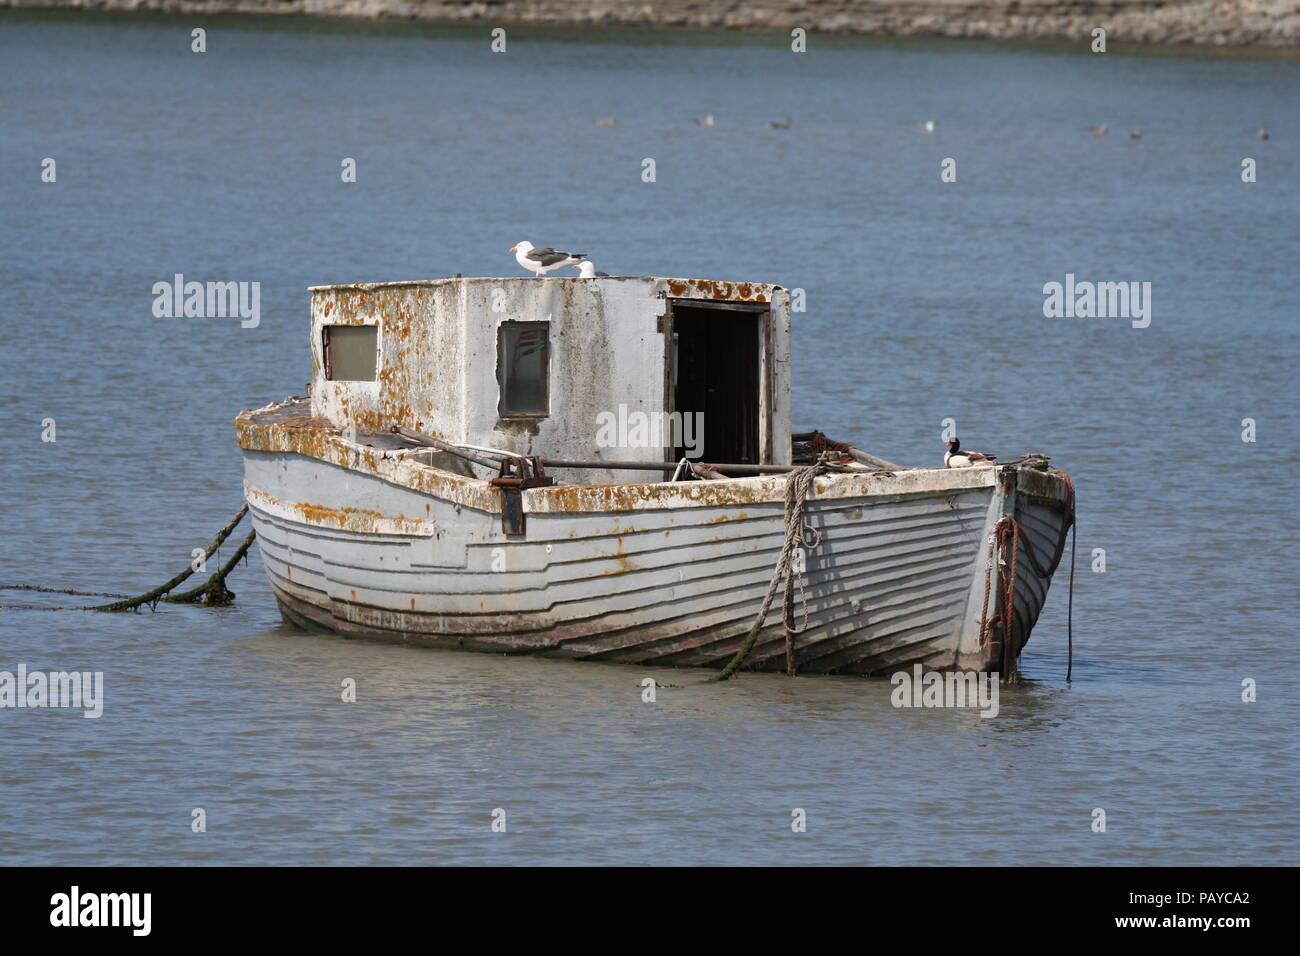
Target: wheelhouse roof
717	289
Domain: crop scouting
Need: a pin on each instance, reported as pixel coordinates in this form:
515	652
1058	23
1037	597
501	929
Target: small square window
351	352
523	364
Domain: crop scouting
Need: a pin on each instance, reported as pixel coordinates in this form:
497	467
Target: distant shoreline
1219	23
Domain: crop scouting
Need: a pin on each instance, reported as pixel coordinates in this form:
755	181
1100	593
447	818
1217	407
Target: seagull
926	127
707	121
587	270
1099	130
1262	134
778	125
956	458
605	122
544	259
1136	134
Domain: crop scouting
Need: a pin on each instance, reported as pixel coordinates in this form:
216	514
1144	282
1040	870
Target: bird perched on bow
956	458
543	259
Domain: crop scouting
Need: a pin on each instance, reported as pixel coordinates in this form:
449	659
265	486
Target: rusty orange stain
718	290
317	438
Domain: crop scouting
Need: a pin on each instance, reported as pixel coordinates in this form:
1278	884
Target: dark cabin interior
715	370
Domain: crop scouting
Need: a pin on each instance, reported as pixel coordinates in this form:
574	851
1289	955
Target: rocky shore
1237	23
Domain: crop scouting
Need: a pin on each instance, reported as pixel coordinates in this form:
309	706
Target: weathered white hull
360	543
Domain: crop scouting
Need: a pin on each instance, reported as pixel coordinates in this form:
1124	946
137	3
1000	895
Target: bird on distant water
707	121
1262	134
587	270
543	259
776	124
954	457
1099	130
927	127
1136	134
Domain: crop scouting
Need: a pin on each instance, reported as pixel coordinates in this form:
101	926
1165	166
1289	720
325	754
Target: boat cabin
623	369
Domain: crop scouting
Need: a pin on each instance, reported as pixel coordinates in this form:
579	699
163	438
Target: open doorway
715	370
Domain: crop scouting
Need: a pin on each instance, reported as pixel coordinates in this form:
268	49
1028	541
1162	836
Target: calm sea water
924	302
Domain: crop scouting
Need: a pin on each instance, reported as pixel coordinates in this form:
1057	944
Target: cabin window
523	363
351	352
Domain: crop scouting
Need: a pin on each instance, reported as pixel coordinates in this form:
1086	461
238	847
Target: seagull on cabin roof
587	270
543	259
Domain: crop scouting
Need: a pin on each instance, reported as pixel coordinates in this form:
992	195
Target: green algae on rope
153	597
214	591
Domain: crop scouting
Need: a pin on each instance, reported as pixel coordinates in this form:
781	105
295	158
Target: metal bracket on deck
516	475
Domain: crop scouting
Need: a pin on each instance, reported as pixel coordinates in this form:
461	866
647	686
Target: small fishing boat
605	469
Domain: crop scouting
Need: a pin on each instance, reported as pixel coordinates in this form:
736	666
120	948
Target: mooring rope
152	597
1010	532
1069	612
988	576
213	590
1007	534
796	532
1007	530
37	587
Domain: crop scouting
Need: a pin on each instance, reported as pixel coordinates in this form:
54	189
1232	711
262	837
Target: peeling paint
375	506
437	357
281	428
